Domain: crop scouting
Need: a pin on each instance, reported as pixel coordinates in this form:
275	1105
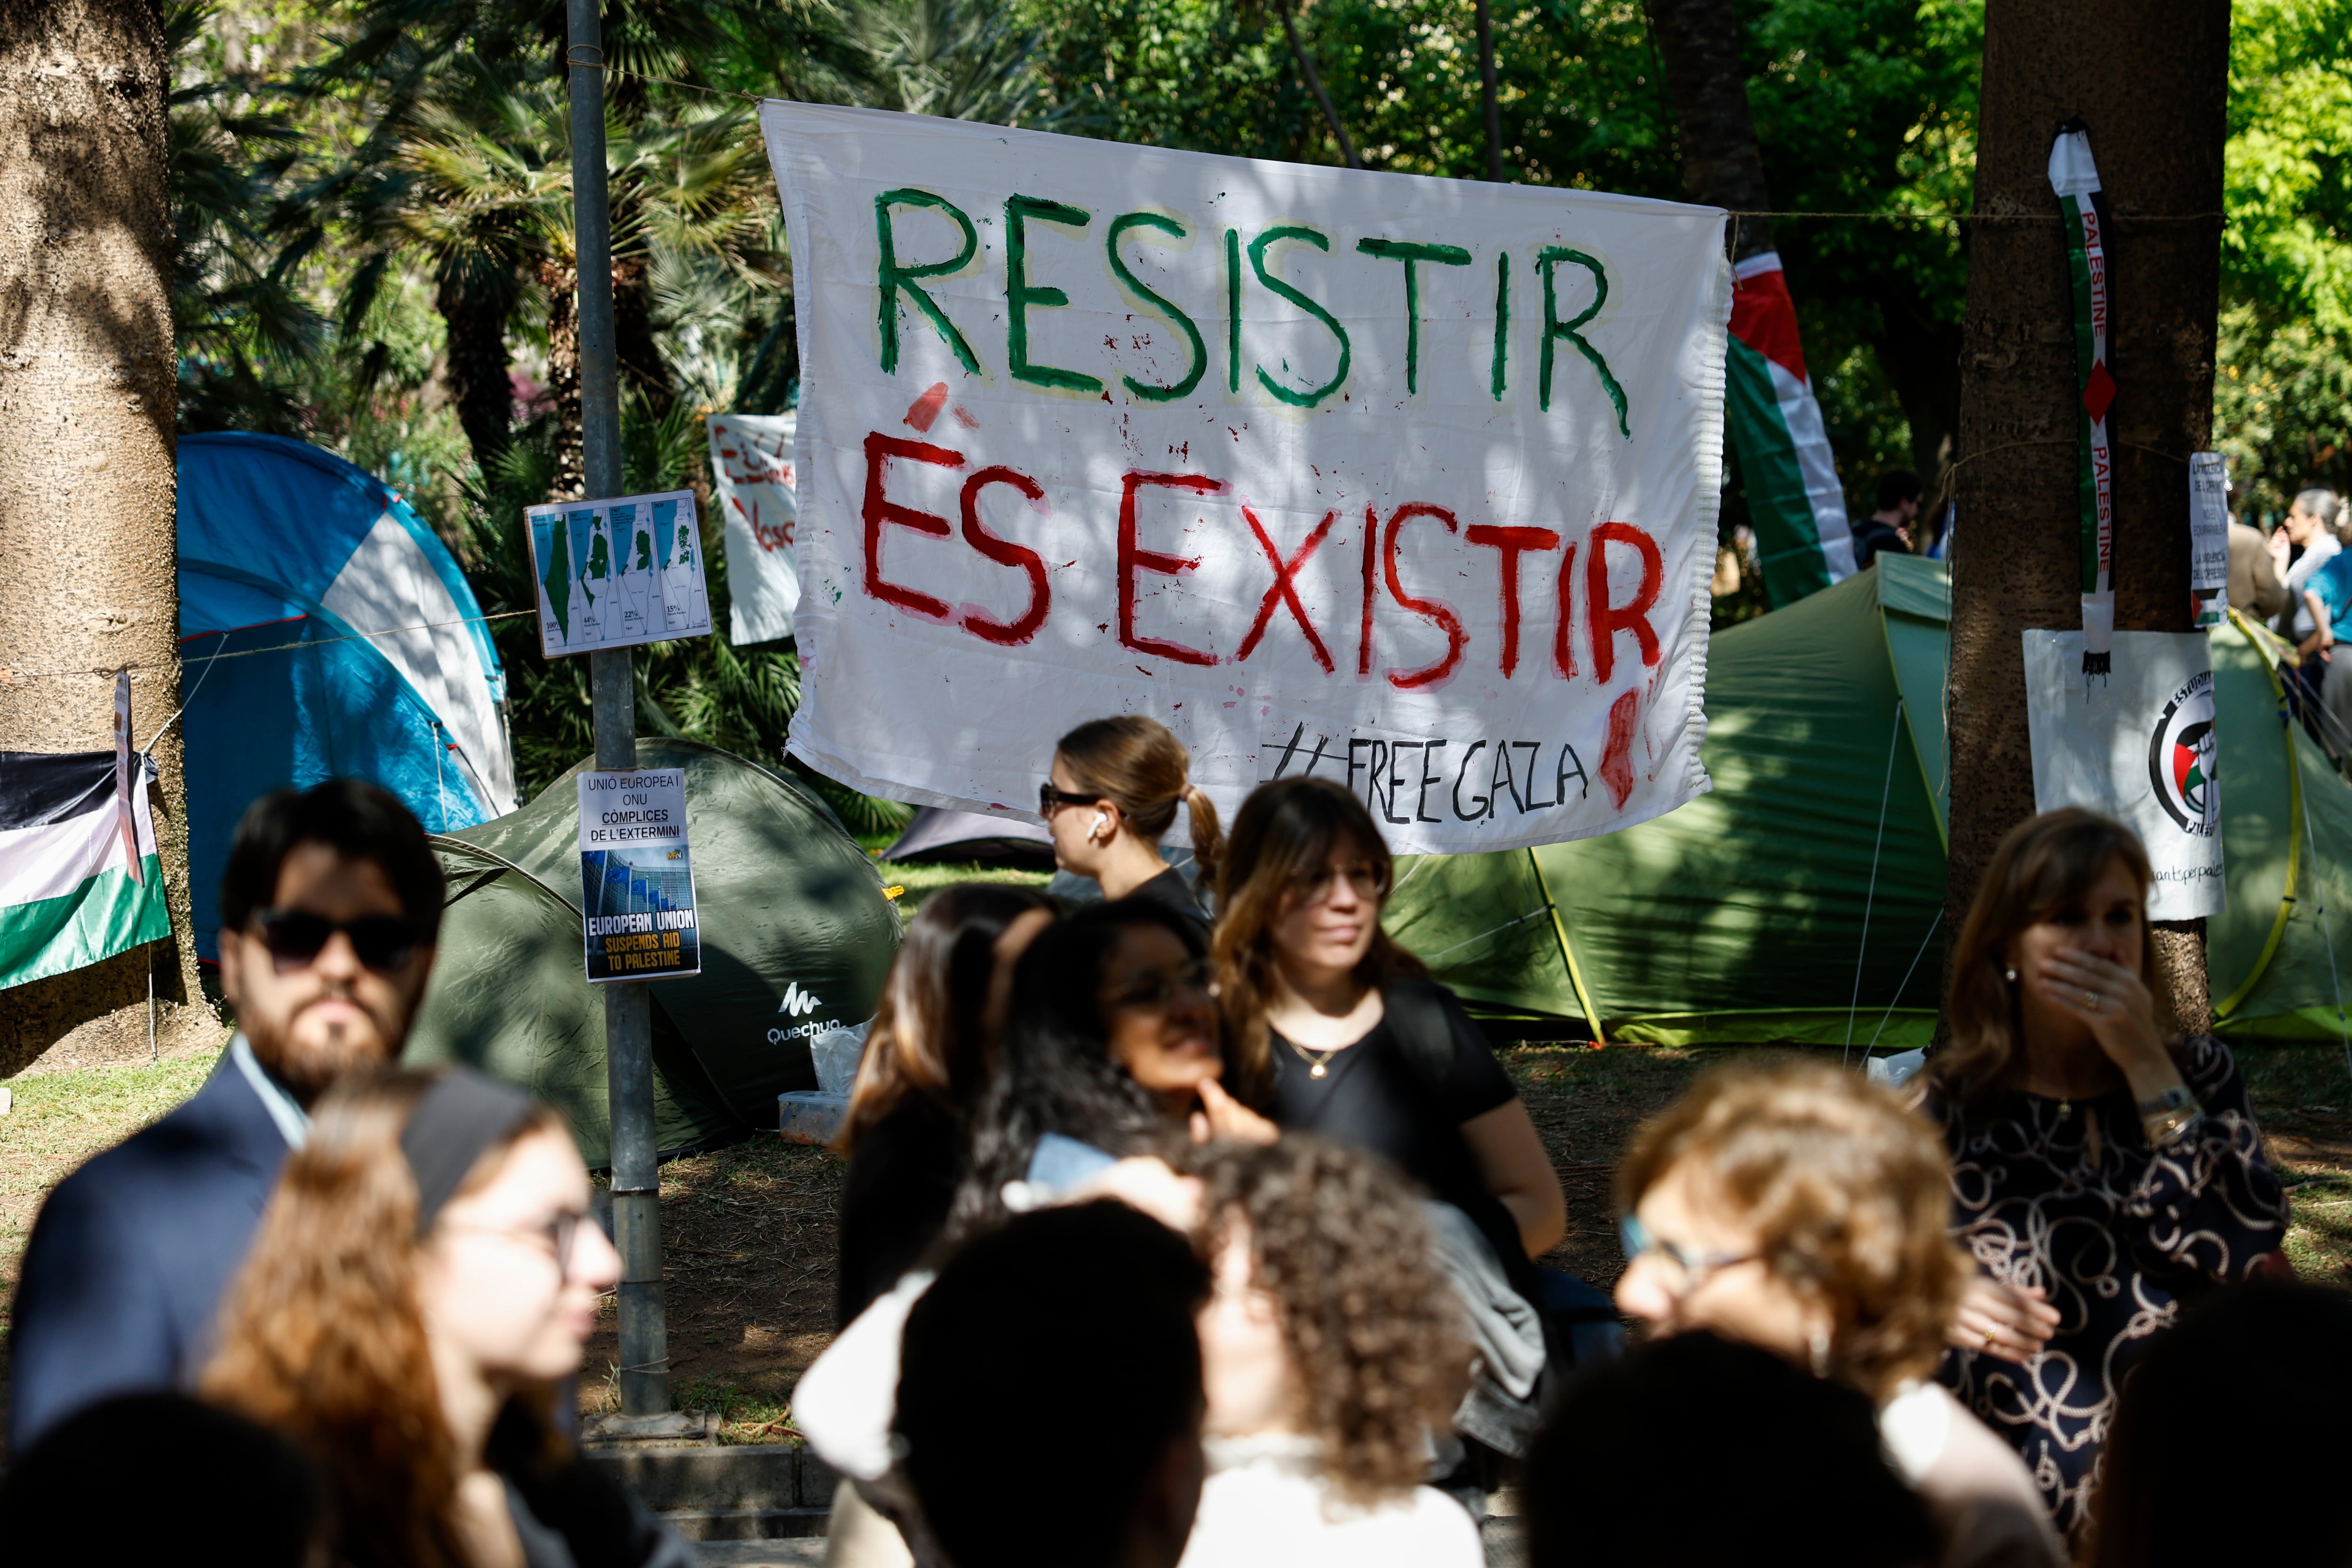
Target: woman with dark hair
1111	1043
424	1278
1112	796
927	1055
1331	1348
2104	1170
1341	1033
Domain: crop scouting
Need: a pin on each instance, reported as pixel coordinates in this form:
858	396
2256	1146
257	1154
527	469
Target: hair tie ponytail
1208	837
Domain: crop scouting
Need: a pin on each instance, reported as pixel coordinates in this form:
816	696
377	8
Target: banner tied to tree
1405	483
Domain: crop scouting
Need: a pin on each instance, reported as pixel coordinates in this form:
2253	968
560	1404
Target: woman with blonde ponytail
1112	796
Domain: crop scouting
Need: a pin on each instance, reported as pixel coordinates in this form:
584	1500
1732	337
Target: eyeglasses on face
1051	800
1157	990
558	1232
1693	1263
1312	887
295	938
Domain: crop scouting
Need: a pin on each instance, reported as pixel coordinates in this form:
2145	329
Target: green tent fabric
797	935
1801	901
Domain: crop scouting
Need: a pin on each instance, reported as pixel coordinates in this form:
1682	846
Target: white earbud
1102	821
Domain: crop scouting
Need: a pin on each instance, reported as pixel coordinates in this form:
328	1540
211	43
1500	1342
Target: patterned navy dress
2118	1234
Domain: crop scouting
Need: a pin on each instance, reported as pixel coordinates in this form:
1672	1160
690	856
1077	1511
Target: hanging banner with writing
2137	744
751	486
636	877
1406	482
2209	538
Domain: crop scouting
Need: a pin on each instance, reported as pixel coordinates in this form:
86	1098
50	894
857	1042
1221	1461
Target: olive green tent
796	936
1803	898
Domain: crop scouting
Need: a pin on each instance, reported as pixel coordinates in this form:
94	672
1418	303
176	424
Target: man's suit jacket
128	1262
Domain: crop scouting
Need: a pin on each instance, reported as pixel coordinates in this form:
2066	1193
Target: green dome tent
1802	899
796	937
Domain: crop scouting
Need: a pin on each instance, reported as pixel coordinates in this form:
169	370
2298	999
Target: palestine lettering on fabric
2076	178
71	894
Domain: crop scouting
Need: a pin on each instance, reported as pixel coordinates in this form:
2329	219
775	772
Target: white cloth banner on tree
751	479
2137	745
1408	483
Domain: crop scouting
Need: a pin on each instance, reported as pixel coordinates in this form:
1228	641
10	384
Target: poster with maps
616	573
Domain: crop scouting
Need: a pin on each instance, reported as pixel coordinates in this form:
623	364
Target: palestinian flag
68	893
1794	499
2076	178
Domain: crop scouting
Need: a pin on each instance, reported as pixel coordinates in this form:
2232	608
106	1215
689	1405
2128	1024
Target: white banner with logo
1409	483
751	486
2138	746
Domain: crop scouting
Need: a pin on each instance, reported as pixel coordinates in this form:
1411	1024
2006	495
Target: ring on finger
1987	1339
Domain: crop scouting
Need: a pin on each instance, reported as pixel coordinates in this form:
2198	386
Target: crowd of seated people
1199	1226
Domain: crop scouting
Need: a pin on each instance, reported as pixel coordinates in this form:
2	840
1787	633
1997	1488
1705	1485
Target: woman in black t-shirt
926	1058
1337	1031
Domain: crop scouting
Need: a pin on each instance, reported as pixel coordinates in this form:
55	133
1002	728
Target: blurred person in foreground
1065	1337
928	1056
1799	1208
211	1487
329	908
423	1283
2219	1410
1332	1353
2105	1170
1700	1452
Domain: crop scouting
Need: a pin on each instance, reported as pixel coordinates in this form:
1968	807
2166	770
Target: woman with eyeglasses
1112	796
1111	1049
1339	1031
425	1276
1803	1209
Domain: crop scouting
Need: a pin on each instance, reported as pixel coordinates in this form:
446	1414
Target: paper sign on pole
613	573
636	876
751	486
1407	482
2138	746
2208	537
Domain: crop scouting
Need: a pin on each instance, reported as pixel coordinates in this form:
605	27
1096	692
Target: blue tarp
325	631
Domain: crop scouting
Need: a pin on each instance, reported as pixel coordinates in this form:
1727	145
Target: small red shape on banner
2100	393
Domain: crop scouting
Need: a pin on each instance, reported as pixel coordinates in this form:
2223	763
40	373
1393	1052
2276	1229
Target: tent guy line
14	675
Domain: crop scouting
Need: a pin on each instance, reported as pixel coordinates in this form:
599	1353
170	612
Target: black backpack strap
1416	1015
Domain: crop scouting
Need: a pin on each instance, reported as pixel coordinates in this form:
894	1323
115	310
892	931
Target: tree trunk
1315	84
475	308
1489	93
563	394
1722	164
633	333
87	486
1921	355
2149	78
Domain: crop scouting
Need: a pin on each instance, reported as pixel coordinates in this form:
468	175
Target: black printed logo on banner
2181	758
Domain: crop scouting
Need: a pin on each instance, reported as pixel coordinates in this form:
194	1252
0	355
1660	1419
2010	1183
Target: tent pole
628	1006
1575	974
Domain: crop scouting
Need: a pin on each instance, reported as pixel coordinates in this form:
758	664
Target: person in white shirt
1803	1209
1331	1353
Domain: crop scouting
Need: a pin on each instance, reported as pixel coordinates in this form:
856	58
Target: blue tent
324	632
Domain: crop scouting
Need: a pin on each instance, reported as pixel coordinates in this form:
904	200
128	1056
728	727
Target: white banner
1407	482
2138	746
751	485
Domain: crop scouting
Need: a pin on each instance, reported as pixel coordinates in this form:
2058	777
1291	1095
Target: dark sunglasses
1050	800
296	937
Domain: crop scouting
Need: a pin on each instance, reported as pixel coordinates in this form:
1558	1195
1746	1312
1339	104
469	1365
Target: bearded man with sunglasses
329	908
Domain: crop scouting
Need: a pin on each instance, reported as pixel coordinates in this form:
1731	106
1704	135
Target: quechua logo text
2181	760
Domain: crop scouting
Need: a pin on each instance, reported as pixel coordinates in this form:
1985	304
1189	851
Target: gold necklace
1316	1065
